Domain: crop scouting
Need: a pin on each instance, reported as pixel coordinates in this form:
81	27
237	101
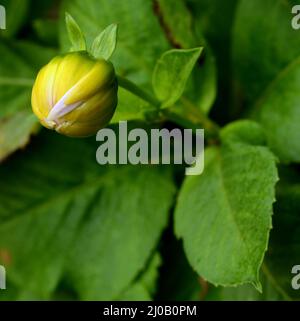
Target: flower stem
133	88
188	115
185	114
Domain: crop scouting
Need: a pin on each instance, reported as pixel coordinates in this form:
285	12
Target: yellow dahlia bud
75	94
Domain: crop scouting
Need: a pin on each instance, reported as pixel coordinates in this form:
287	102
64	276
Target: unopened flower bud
75	94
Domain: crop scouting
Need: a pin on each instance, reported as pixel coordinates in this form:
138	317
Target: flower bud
75	94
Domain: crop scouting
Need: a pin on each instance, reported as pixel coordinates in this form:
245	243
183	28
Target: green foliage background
72	229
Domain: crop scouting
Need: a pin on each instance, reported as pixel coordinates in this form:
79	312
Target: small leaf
172	72
201	88
105	44
75	34
224	215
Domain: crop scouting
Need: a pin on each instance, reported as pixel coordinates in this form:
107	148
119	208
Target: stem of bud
133	88
189	116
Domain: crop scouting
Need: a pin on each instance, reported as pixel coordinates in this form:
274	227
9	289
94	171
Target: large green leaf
266	58
245	293
62	213
224	215
19	65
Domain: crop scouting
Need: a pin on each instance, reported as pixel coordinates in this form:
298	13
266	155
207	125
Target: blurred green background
71	229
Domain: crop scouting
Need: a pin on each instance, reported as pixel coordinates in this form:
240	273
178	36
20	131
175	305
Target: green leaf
120	237
245	292
172	72
268	71
18	69
16	12
178	24
224	215
59	216
105	44
75	34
